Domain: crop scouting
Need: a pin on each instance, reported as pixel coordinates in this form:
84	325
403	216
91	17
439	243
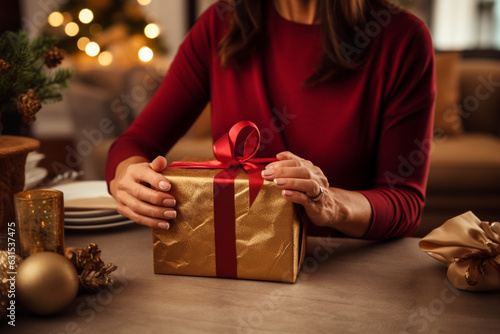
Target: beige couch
465	166
465	159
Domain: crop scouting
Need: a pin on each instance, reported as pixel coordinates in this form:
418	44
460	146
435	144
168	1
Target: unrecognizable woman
343	89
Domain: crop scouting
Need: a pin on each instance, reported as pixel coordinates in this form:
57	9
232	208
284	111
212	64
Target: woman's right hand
141	192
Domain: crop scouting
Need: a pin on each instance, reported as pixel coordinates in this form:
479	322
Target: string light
71	29
82	43
56	19
92	49
86	15
144	2
151	31
145	54
105	58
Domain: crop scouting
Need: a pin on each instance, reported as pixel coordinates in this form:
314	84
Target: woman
345	88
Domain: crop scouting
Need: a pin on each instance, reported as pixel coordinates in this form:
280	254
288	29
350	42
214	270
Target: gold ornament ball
46	283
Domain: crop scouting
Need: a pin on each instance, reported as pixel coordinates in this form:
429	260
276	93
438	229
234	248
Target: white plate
83	189
33	177
94	220
87	190
98	226
88	213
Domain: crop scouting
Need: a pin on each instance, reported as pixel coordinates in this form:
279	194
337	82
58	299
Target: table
345	286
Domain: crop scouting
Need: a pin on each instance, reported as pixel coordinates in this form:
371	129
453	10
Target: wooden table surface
345	286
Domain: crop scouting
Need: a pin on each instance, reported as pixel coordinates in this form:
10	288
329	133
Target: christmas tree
109	30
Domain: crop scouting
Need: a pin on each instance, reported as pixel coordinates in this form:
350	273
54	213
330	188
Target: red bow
226	150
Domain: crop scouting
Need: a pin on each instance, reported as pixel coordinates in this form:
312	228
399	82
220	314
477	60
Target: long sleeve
180	98
403	152
369	130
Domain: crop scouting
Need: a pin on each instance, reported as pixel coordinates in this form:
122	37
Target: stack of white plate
88	205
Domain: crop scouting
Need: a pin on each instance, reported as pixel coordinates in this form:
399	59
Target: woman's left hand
303	183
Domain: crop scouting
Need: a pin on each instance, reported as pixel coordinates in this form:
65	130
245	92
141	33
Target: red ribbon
226	150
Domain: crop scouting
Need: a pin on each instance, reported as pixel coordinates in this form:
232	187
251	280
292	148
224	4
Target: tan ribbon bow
470	248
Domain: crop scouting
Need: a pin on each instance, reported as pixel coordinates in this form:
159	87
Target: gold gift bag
471	250
251	233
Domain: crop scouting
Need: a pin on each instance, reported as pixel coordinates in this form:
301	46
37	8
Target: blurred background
121	49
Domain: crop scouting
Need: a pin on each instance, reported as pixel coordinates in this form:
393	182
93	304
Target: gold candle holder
40	220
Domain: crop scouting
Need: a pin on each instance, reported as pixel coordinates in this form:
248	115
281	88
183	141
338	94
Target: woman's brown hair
337	18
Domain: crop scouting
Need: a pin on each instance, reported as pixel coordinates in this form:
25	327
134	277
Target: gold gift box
270	235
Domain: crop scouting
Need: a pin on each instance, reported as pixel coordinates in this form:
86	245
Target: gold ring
318	196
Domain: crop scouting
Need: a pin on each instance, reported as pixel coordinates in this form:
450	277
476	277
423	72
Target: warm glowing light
144	2
86	15
71	29
92	49
151	30
105	58
56	19
82	43
145	54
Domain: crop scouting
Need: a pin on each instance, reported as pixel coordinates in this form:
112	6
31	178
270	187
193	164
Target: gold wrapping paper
270	240
471	250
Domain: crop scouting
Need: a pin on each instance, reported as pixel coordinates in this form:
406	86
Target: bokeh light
71	29
145	54
152	30
105	58
56	19
144	2
92	49
82	43
86	15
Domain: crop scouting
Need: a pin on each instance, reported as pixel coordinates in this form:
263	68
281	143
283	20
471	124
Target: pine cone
4	66
28	120
87	258
93	273
93	281
53	57
28	105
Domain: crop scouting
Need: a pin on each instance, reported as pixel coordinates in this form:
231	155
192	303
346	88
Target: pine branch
62	76
29	70
51	97
42	44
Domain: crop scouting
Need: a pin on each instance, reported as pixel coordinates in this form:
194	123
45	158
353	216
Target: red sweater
368	131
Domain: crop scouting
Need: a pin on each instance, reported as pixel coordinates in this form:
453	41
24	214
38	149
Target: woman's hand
150	206
303	183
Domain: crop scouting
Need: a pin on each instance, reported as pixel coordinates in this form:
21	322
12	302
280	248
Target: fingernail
267	172
164	226
287	193
170	214
164	185
279	182
169	202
